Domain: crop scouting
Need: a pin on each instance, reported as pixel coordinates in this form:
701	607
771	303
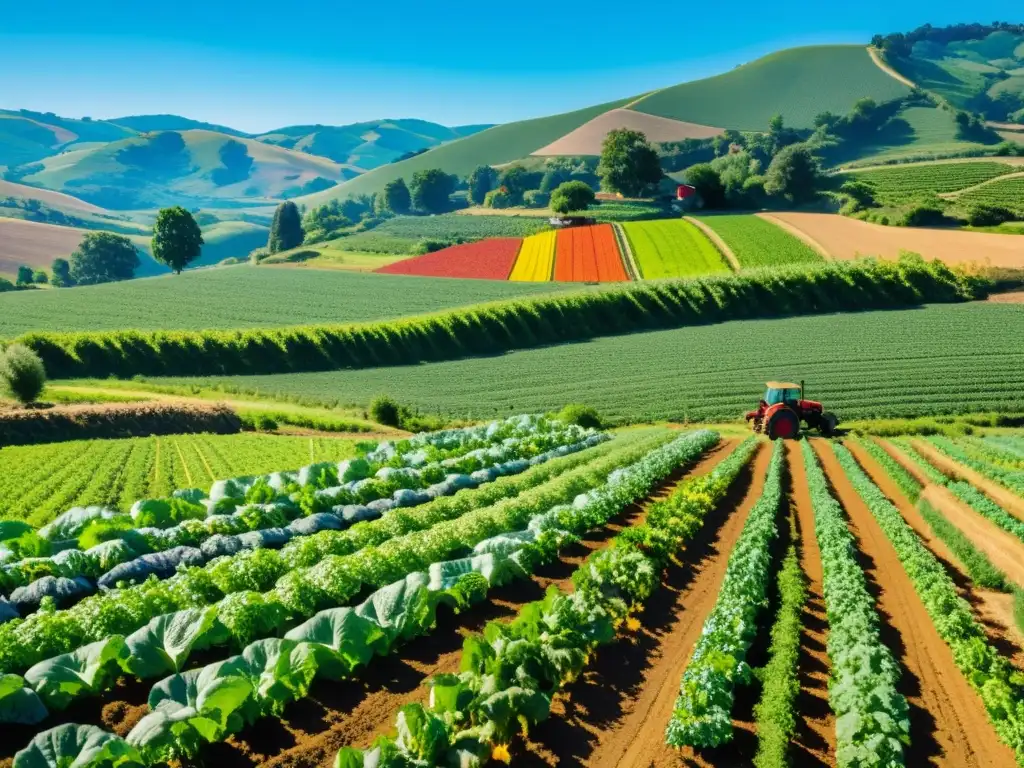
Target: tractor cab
783	408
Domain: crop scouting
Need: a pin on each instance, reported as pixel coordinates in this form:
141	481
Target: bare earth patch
37	245
846	238
48	196
586	140
1014	297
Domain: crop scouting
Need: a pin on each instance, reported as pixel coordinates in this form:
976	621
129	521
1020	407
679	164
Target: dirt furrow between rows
814	743
616	713
993	609
948	725
354	712
1006	498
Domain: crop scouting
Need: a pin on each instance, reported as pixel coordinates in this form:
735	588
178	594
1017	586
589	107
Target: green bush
923	216
581	415
534	198
498	198
22	375
258	422
429	246
386	411
984	215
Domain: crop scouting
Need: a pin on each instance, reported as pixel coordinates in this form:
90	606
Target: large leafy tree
571	196
515	179
793	174
24	275
61	274
430	190
286	229
103	257
629	164
394	198
177	239
481	181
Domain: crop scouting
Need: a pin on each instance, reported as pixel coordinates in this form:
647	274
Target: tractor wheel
784	424
827	424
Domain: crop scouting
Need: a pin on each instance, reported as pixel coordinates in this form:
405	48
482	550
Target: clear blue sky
256	64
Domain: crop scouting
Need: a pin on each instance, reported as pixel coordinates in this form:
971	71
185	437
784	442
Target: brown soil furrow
616	713
815	739
354	712
993	609
1004	497
948	725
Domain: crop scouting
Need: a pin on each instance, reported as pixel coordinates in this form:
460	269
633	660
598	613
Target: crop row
893	186
588	254
536	260
672	248
980	461
759	243
1006	193
702	716
207	704
992	676
862	690
259	591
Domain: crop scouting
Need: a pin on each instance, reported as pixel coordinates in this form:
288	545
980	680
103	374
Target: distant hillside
366	145
195	167
148	123
797	83
975	67
27	136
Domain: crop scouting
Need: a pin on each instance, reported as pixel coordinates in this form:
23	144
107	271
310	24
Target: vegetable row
207	704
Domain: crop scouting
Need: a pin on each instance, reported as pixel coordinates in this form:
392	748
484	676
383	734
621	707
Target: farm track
948	725
994	610
717	241
814	743
1003	496
355	712
616	713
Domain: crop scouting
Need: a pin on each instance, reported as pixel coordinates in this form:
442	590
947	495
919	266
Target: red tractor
783	408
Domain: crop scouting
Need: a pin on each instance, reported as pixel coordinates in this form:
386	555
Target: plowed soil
949	726
34	244
815	741
616	713
1002	496
355	712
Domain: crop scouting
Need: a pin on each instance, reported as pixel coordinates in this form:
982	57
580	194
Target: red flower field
487	260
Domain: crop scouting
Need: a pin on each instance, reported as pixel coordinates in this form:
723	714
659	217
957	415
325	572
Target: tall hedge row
501	326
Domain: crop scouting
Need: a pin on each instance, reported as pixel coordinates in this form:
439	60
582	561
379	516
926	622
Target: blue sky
257	65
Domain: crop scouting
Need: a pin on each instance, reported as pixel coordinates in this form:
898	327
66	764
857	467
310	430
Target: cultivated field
587	139
903	184
759	243
846	238
938	359
588	254
34	244
1007	193
491	259
263	297
536	260
672	248
798	83
638	576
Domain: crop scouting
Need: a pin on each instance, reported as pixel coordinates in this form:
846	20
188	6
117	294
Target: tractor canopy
782	392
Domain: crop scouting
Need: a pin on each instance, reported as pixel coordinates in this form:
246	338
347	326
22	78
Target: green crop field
942	358
903	184
759	243
799	83
672	248
39	482
1008	193
245	297
401	234
501	144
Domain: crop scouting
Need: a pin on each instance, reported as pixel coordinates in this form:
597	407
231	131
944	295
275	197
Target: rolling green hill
27	136
494	146
367	145
194	168
797	83
148	123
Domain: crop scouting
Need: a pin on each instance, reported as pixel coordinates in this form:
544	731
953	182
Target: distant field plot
401	234
490	259
536	259
759	243
799	83
672	248
898	185
1008	193
39	482
242	297
938	359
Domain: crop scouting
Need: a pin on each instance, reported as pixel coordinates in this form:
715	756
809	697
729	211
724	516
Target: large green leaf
164	645
61	679
77	746
421	734
19	704
506	707
351	637
402	609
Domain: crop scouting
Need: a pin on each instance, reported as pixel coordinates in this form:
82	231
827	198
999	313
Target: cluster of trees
429	191
902	44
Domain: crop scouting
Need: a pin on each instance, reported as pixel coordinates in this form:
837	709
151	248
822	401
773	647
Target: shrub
258	422
534	198
985	215
498	198
22	374
386	411
581	415
571	196
923	216
429	246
